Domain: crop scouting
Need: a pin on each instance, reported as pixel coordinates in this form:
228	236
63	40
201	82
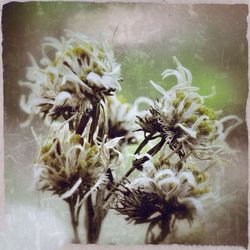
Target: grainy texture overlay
208	39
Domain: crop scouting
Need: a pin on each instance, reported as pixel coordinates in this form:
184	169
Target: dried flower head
159	197
74	71
182	118
122	117
69	165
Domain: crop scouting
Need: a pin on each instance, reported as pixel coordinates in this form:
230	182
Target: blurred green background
208	39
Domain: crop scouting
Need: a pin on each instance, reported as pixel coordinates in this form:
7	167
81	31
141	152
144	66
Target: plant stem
95	116
143	143
93	226
137	164
83	122
163	223
92	218
89	219
74	221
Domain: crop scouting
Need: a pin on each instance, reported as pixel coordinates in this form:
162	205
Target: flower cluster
182	118
75	82
173	187
74	73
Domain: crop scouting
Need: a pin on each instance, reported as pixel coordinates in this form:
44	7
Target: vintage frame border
123	247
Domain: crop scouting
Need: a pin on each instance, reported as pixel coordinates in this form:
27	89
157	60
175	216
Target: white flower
160	197
122	117
182	118
166	192
73	71
69	166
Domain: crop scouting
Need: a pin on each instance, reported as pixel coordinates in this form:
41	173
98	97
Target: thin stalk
74	221
95	115
67	117
137	164
83	122
93	218
164	225
89	222
144	143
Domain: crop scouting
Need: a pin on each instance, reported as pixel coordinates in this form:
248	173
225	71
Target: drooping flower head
160	197
75	71
182	118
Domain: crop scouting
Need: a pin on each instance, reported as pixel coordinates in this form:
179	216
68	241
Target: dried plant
73	89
